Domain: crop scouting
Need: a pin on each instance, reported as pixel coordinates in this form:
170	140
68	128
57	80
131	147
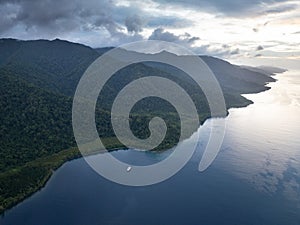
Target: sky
242	31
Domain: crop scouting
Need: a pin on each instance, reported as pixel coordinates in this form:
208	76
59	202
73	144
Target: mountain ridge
38	81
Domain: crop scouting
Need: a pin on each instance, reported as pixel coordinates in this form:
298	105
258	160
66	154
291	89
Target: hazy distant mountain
267	70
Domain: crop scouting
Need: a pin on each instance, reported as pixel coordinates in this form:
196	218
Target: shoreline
64	156
53	162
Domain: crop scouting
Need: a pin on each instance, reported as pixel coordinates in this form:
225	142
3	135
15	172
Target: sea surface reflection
254	180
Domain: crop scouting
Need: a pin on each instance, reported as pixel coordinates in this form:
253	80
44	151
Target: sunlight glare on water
266	149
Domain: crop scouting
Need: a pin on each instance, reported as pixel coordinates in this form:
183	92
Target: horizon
267	64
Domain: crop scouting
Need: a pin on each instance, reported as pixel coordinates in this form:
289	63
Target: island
38	79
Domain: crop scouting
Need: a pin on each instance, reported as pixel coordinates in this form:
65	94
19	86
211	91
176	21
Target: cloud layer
228	28
239	8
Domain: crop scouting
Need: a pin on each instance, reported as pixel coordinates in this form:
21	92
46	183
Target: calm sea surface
255	179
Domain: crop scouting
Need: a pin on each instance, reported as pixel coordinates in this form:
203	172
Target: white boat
128	169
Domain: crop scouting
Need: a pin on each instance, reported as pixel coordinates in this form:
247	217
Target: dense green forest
37	82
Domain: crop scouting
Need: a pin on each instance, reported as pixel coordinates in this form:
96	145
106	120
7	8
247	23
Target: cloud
261	26
227	7
101	21
112	22
186	40
194	44
54	16
235	51
162	35
280	8
8	12
134	23
259	48
169	22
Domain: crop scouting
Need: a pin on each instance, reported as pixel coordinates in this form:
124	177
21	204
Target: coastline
49	164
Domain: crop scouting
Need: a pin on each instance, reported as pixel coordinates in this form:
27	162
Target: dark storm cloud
55	16
63	16
8	13
92	22
104	22
31	19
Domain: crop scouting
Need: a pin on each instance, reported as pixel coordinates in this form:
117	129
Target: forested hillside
37	82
